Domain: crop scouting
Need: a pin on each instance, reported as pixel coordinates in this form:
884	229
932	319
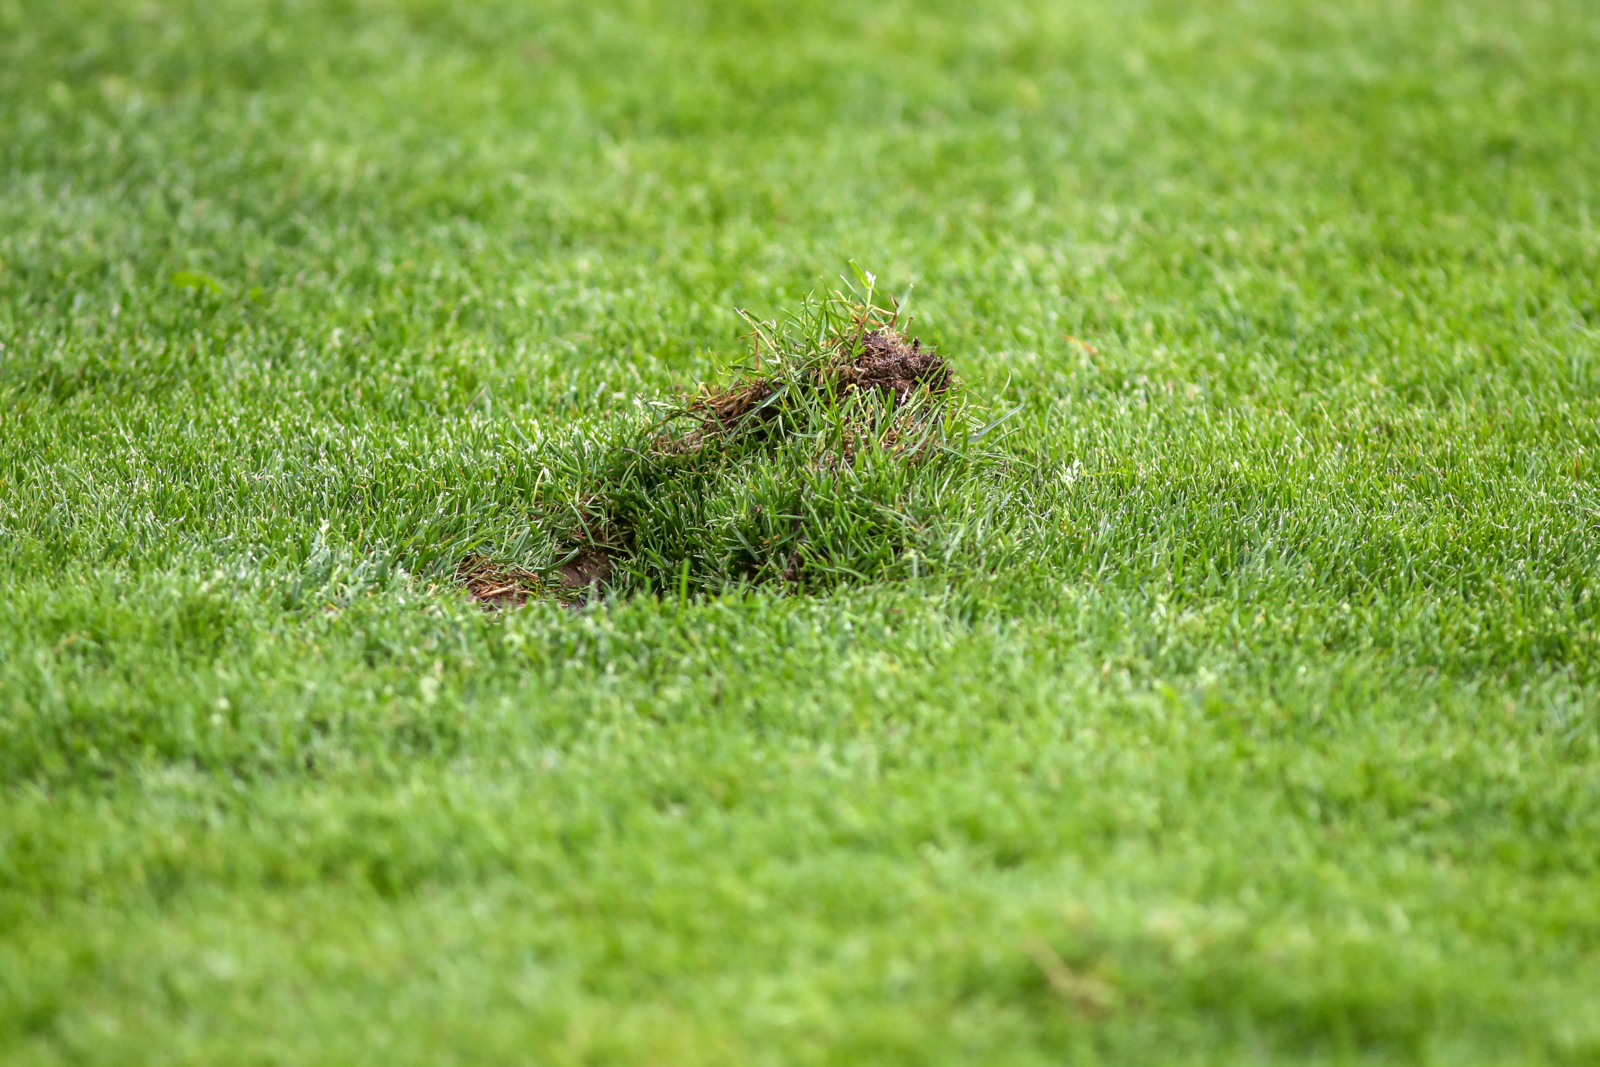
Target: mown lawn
1237	704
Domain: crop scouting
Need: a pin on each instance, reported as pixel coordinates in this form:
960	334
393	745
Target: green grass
1234	701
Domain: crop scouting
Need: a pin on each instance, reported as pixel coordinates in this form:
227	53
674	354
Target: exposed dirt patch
590	567
495	586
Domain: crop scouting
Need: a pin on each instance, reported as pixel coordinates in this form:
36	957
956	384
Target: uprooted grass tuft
831	357
842	450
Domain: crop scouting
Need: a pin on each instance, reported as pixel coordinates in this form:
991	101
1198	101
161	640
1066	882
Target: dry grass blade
1088	994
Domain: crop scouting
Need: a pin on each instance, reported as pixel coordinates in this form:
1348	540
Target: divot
801	472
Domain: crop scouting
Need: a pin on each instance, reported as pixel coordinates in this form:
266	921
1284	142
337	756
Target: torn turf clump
803	383
841	451
793	471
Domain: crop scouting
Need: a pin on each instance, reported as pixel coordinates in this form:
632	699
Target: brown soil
887	363
590	567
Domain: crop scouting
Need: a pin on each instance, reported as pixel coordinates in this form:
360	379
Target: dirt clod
888	363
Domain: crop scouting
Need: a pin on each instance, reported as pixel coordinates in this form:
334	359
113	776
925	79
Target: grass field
1233	701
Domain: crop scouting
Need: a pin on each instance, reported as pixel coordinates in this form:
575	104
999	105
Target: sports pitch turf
1237	704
